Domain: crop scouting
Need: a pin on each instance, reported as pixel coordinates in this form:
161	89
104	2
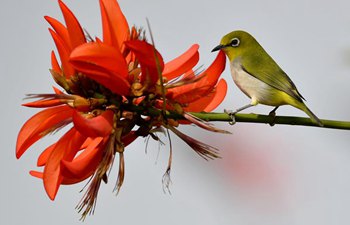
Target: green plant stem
246	118
287	120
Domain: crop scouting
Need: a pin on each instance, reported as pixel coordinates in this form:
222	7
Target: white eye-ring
234	42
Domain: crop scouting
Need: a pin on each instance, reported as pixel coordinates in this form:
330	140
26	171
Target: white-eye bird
259	76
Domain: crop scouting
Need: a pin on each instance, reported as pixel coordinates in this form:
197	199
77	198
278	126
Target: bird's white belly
258	91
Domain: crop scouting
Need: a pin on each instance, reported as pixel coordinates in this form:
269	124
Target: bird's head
237	43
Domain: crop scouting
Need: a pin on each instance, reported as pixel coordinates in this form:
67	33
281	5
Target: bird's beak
217	48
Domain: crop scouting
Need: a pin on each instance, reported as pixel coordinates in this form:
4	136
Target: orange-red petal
210	101
115	83
44	103
65	149
220	93
214	71
76	33
54	63
103	64
86	143
99	126
114	24
63	51
60	29
129	138
36	174
86	163
57	91
101	56
42	159
194	91
150	59
182	63
65	180
41	124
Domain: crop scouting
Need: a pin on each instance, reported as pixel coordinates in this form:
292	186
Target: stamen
121	173
88	202
166	180
203	150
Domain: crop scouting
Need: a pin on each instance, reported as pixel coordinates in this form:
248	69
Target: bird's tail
312	116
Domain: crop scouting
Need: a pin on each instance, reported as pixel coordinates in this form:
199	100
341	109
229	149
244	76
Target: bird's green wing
267	70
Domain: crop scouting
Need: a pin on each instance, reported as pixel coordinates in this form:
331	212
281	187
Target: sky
281	175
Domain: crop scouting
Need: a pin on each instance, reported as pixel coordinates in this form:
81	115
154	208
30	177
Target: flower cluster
114	90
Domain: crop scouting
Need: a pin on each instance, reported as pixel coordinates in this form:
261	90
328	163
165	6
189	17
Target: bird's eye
234	42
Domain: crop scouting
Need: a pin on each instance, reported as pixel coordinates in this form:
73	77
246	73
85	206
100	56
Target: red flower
115	89
93	124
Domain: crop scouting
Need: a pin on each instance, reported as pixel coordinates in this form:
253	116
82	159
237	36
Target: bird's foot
272	115
231	114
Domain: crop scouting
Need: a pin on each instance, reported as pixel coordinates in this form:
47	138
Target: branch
246	118
287	120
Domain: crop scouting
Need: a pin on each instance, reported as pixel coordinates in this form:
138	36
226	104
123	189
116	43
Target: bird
258	76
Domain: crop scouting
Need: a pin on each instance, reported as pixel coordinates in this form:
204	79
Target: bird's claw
231	114
272	115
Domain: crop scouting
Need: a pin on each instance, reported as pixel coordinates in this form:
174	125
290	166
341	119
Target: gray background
280	175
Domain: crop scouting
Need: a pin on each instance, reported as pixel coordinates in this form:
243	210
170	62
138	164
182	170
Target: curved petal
214	71
65	149
99	126
54	63
200	104
188	94
60	29
57	91
194	91
86	143
129	138
116	84
63	51
210	101
150	59
41	124
44	103
100	55
220	93
182	63
42	159
103	64
86	163
36	174
76	33
114	24
65	180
